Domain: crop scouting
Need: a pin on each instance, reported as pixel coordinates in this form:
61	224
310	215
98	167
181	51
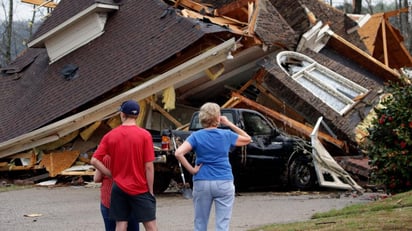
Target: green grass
392	213
13	187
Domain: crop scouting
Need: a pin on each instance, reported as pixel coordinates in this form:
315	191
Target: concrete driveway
77	208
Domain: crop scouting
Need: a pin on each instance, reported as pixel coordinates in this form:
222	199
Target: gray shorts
141	207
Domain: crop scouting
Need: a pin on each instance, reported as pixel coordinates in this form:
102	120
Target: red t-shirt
129	148
106	187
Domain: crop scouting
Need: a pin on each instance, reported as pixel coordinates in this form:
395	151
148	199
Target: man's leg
121	225
132	225
144	210
119	208
150	225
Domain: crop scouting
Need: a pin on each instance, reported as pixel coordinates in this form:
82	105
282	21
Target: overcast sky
23	11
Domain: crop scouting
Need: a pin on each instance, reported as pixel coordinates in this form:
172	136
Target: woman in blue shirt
212	174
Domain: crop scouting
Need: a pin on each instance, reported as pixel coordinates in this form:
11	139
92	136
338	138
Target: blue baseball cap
130	107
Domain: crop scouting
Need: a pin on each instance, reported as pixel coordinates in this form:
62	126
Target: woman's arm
180	156
243	138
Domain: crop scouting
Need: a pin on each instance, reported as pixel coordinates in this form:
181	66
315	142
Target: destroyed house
90	55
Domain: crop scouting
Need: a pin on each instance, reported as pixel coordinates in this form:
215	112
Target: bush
389	145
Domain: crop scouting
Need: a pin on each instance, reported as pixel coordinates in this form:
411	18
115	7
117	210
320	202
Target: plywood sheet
56	162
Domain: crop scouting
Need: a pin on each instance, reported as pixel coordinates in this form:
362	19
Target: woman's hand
243	138
224	120
196	169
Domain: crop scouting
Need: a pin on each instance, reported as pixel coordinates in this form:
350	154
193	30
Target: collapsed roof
71	77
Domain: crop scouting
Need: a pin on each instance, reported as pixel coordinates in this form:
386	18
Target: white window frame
323	82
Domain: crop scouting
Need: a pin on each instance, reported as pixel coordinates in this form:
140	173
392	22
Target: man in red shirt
131	152
105	193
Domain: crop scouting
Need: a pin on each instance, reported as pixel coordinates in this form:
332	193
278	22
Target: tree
7	35
370	7
406	27
15	33
357	6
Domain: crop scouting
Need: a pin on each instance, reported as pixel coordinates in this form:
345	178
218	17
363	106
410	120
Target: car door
262	161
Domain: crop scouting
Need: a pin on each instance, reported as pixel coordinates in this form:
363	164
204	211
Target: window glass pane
255	124
333	83
322	94
195	123
229	116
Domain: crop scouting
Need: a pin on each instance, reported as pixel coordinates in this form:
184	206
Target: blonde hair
209	115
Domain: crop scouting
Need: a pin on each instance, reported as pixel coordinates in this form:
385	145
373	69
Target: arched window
336	91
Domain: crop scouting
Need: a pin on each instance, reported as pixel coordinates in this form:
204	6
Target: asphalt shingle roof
136	38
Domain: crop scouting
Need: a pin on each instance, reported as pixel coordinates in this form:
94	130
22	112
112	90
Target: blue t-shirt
212	151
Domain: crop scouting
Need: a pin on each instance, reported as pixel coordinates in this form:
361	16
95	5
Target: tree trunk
31	23
407	27
370	7
9	32
357	6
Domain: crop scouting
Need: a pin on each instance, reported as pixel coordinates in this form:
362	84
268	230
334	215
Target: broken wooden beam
302	128
257	82
195	6
41	3
163	112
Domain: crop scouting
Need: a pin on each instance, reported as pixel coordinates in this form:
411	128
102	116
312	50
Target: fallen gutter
110	107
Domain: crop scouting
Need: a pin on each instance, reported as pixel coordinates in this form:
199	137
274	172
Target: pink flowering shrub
390	141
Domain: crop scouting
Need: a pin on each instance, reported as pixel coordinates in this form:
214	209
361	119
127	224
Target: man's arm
149	169
98	176
100	167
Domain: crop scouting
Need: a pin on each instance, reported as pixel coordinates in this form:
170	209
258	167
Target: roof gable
61	13
380	37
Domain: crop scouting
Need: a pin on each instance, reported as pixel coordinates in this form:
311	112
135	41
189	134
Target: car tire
302	175
161	182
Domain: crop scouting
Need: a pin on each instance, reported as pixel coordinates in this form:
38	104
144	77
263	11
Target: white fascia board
309	37
324	163
315	38
95	8
362	20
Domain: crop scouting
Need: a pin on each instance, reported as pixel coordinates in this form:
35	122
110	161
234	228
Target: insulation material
86	133
215	71
114	121
169	98
142	113
56	162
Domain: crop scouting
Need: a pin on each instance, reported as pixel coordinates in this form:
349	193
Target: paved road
77	208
